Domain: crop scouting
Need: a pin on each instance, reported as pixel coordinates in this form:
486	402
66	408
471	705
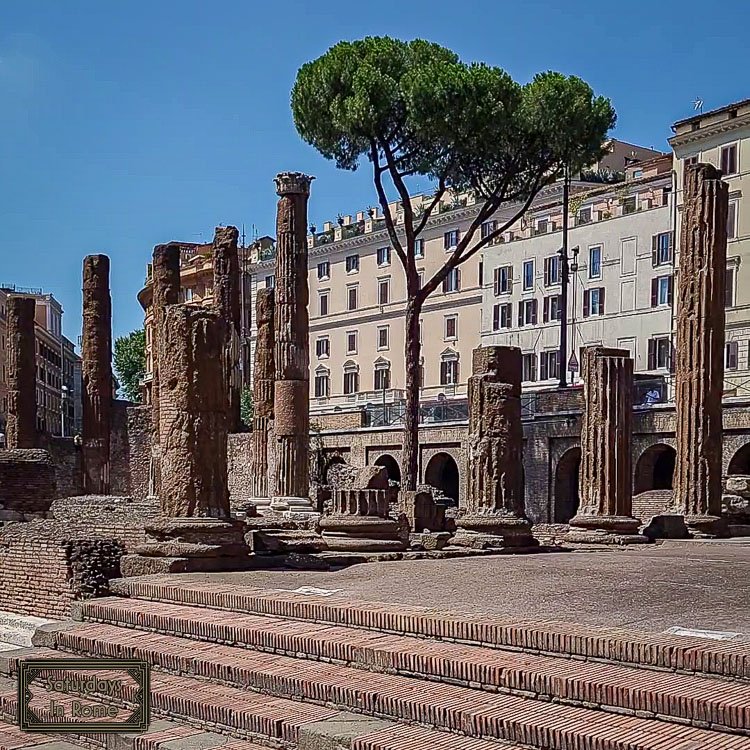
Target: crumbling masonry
21	421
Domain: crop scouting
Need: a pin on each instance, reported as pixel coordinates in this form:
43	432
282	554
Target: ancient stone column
494	515
263	387
20	431
227	300
196	531
699	373
165	290
605	513
96	371
292	355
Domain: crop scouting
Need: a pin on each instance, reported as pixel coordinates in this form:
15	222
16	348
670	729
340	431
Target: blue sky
123	125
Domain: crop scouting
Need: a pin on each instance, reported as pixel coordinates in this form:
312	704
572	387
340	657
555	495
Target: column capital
288	183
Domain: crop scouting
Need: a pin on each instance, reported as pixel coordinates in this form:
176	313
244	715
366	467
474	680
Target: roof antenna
698	105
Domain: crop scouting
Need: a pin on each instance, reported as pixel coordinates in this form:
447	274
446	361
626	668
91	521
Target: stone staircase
247	668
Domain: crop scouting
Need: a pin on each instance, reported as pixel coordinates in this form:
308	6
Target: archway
442	473
332	461
655	469
391	466
740	463
566	485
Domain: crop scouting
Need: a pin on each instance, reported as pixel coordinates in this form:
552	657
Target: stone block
738	484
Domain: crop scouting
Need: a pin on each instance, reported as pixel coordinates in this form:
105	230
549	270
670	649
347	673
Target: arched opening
740	463
442	473
566	485
655	469
391	466
332	461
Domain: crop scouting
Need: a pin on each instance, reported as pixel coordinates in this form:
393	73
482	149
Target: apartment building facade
722	137
58	394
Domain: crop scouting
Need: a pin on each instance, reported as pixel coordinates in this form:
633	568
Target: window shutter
545	310
546	272
458	279
520	313
496	317
508	315
497	282
586	303
670	286
543	367
672	359
601	300
445	284
651	354
654	292
533	312
655	250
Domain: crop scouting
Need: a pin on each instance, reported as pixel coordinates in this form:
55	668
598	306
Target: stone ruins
21	427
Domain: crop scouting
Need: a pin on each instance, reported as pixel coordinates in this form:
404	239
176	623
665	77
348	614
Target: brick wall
27	484
348	420
66	457
134	452
119	449
45	566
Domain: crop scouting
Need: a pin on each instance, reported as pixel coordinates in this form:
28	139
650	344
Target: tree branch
383	198
439	193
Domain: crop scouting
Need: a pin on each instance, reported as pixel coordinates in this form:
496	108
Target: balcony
430	412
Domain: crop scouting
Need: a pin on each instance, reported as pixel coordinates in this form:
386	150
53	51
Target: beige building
57	396
722	138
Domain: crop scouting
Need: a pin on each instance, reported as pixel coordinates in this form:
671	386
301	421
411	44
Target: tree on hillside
413	109
130	363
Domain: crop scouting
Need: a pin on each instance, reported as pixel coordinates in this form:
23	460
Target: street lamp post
562	364
63	408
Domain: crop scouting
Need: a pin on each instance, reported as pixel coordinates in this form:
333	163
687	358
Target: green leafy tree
246	407
414	110
130	363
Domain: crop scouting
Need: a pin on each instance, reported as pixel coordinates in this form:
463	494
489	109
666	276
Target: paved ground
688	584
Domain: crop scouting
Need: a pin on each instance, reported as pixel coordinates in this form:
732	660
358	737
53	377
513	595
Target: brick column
605	513
699	375
494	515
292	355
96	369
227	300
20	431
165	290
196	531
263	387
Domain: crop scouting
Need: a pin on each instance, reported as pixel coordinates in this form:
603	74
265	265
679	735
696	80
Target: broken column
96	371
227	300
292	355
263	387
20	429
165	290
196	531
605	513
494	515
699	372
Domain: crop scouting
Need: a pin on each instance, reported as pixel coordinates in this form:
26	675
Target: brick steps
617	688
728	659
224	704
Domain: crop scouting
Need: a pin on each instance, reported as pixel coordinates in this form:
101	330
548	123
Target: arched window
449	367
322	382
351	377
382	375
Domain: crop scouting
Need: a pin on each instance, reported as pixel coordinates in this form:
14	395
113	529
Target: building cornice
702	134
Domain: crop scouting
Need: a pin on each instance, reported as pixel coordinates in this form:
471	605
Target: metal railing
430	412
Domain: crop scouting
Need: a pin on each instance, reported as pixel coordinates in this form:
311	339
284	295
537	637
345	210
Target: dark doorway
391	466
566	485
740	463
442	473
655	469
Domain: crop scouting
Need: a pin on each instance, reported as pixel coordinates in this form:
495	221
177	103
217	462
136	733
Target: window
420	274
527	312
528	367
452	282
324	270
584	215
551	270
630	204
661	248
382	377
384	291
730	358
451	326
322	384
729	159
488	227
729	291
419	248
351	342
501	316
323	347
503	277
593	302
270	282
450	240
659	353
661	291
383	337
528	275
351	380
549	365
384	256
323	303
595	262
352	263
449	371
542	226
691	160
352	298
481	273
551	309
732	220
188	295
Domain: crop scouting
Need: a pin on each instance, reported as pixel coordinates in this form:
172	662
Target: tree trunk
412	348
